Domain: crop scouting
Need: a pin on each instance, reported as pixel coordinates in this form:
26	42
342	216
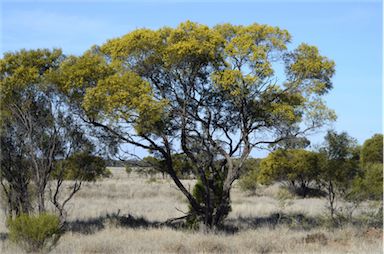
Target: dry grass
160	200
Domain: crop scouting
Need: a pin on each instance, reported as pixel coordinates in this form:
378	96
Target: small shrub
284	197
152	179
106	174
316	238
199	192
128	169
34	233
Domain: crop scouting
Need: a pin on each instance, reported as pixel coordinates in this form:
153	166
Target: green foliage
372	150
82	166
181	165
126	77
199	192
340	160
152	179
249	178
34	232
249	182
368	185
296	167
339	166
154	165
21	69
250	164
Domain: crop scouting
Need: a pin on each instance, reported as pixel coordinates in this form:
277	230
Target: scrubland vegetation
97	226
199	100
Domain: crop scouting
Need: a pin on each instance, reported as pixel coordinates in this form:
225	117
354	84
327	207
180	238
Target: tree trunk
331	199
222	210
24	199
41	200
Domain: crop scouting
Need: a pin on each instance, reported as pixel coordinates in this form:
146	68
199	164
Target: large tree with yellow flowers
211	93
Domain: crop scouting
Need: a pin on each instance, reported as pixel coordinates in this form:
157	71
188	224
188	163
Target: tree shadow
91	226
295	221
3	236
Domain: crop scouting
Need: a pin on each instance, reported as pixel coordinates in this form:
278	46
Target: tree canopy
297	167
372	150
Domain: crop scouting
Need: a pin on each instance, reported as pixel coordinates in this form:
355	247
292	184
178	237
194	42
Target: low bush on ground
34	232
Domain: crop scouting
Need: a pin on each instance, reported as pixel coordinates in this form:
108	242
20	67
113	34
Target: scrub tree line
340	170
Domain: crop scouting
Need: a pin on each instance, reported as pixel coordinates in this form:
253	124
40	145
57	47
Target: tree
25	109
372	150
339	167
38	130
209	93
299	168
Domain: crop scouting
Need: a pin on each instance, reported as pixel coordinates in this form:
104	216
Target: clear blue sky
349	32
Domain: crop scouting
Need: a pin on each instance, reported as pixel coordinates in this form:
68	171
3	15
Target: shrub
299	168
248	182
249	174
152	179
83	166
128	169
368	185
316	238
215	185
372	150
33	233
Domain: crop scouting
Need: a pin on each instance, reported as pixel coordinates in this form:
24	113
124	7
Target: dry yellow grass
160	200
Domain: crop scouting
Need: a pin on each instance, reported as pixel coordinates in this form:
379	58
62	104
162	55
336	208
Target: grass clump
34	232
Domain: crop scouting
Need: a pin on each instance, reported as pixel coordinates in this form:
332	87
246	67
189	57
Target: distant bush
248	182
248	176
372	150
181	164
128	169
152	179
296	167
83	166
34	232
369	184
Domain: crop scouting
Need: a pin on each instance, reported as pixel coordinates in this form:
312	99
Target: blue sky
349	32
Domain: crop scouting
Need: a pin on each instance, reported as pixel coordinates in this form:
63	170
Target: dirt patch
373	233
